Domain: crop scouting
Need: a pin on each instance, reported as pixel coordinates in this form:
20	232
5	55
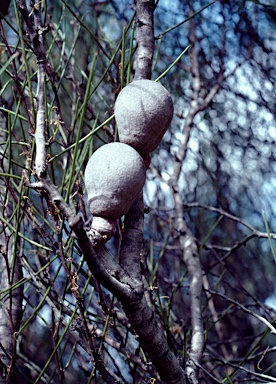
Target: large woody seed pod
143	112
114	176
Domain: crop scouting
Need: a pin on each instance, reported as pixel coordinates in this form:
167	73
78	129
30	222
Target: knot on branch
96	238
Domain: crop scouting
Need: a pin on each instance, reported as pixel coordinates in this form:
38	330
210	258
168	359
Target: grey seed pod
113	177
143	112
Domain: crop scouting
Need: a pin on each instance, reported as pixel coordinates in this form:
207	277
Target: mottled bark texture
37	35
187	240
191	258
10	274
128	288
144	38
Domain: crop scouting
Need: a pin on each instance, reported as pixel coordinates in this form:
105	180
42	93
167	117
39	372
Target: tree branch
186	239
192	261
11	273
132	240
145	39
130	292
243	308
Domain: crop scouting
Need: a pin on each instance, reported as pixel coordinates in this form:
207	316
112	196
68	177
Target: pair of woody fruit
116	172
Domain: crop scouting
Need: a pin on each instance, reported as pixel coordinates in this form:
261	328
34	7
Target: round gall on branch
143	112
114	176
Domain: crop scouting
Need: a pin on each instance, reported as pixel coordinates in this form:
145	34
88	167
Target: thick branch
130	292
154	343
145	39
132	241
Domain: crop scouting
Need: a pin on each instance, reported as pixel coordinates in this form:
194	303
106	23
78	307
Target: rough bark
130	291
187	240
145	39
191	258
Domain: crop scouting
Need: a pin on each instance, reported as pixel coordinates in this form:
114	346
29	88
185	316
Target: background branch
11	273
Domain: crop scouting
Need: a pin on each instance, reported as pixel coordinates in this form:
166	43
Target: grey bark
145	39
130	291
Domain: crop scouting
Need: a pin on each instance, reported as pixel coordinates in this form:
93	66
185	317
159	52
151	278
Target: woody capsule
114	176
116	172
143	113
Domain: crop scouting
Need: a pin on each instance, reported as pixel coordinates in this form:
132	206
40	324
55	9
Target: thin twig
260	318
